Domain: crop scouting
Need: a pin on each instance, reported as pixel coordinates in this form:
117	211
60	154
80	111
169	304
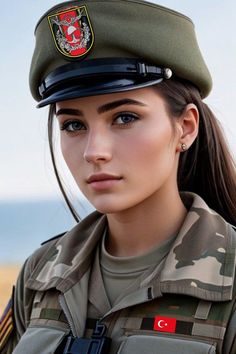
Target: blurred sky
24	163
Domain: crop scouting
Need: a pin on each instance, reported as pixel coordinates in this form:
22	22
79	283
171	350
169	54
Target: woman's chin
108	207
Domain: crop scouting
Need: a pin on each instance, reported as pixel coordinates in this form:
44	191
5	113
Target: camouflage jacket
186	304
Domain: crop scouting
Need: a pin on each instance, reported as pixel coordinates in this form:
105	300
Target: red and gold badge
72	31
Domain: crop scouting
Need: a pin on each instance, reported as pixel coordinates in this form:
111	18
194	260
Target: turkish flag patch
164	324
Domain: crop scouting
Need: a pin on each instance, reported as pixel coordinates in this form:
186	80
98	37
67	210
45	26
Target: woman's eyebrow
102	109
112	105
69	111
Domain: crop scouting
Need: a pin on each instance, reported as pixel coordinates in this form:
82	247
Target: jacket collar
63	262
200	263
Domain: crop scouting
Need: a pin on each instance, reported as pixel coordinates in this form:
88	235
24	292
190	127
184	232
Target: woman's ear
188	127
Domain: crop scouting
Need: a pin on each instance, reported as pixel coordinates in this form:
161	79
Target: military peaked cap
92	47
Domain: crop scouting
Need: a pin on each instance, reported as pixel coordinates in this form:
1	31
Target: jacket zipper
67	313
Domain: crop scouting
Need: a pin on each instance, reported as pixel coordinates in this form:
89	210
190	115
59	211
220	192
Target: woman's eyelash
121	119
77	125
125	118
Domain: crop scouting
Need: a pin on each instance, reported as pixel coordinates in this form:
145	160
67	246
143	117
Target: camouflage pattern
205	242
194	285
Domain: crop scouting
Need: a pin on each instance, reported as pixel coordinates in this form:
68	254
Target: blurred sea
25	224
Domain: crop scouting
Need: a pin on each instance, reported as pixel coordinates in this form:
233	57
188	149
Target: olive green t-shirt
119	273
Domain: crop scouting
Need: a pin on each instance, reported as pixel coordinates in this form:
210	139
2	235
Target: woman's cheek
70	153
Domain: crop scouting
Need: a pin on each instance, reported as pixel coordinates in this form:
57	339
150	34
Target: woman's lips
103	181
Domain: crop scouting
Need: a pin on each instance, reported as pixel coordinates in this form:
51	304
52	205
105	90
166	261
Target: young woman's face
120	148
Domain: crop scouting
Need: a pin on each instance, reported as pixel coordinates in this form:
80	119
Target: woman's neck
136	230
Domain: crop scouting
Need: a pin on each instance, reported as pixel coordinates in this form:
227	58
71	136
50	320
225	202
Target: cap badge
72	31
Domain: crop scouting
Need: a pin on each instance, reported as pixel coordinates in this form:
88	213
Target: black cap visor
98	76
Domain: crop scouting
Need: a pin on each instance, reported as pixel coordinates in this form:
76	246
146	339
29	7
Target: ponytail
207	168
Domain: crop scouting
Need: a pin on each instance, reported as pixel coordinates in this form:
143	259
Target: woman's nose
98	148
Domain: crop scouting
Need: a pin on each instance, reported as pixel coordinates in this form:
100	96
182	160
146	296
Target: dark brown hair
51	115
207	168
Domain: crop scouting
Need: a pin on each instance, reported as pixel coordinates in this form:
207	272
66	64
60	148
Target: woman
152	270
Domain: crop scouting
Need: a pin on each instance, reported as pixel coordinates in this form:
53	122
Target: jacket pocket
139	344
39	340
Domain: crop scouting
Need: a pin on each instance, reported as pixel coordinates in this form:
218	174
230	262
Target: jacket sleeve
230	336
16	316
233	348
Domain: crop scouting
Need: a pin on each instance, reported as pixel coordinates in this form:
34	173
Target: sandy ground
8	275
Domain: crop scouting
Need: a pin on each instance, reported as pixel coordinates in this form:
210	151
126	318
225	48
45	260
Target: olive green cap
81	39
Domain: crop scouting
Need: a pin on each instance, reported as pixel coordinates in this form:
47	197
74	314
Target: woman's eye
125	119
72	126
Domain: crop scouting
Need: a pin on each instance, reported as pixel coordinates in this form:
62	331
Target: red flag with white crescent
164	324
